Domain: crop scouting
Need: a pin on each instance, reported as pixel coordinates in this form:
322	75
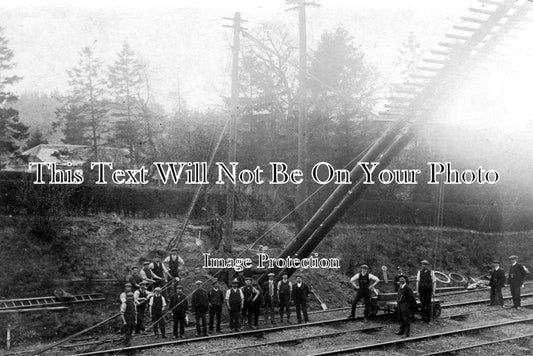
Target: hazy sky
184	41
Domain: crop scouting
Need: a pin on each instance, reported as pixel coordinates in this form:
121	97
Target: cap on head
364	266
127	284
247	278
198	283
271	274
133	267
513	257
179	286
143	283
174	250
157	289
496	262
146	263
425	262
285	274
235	281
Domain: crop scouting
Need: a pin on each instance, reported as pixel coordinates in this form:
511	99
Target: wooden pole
301	189
232	141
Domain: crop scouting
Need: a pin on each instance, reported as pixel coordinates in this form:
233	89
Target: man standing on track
235	303
140	297
157	306
361	282
426	284
517	274
200	305
405	299
300	293
284	297
270	292
216	300
497	282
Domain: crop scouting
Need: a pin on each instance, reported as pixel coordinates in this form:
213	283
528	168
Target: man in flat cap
179	307
270	292
128	315
173	263
300	293
284	296
405	300
497	282
134	277
426	284
235	303
127	289
200	305
517	274
146	275
363	282
157	306
250	295
216	300
140	297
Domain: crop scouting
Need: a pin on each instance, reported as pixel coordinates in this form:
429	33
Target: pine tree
85	107
36	138
125	83
12	131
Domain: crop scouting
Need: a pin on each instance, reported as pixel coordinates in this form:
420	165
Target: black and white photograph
266	177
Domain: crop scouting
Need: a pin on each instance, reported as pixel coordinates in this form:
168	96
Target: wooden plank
457	37
481	11
33	310
473	19
465	28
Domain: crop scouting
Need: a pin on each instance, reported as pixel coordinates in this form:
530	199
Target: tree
85	106
343	90
125	83
12	131
36	138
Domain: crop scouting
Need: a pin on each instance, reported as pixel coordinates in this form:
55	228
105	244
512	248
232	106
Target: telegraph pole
301	189
232	141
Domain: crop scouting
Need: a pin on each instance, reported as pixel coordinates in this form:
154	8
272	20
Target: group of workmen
364	283
149	290
157	288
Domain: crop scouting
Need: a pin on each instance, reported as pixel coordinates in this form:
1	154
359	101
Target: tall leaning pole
232	140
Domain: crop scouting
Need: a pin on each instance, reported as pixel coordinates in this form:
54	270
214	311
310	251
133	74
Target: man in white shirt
426	284
363	282
172	264
157	305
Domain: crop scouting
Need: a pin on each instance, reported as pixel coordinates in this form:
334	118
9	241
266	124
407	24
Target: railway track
262	331
396	342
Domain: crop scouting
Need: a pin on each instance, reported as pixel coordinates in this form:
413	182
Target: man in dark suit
405	300
517	274
216	300
300	293
179	306
497	282
200	305
270	292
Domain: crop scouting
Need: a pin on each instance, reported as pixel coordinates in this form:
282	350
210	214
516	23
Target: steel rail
480	344
416	338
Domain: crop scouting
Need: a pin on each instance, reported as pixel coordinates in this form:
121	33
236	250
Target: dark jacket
300	294
266	295
517	274
406	295
215	297
497	278
199	301
178	302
